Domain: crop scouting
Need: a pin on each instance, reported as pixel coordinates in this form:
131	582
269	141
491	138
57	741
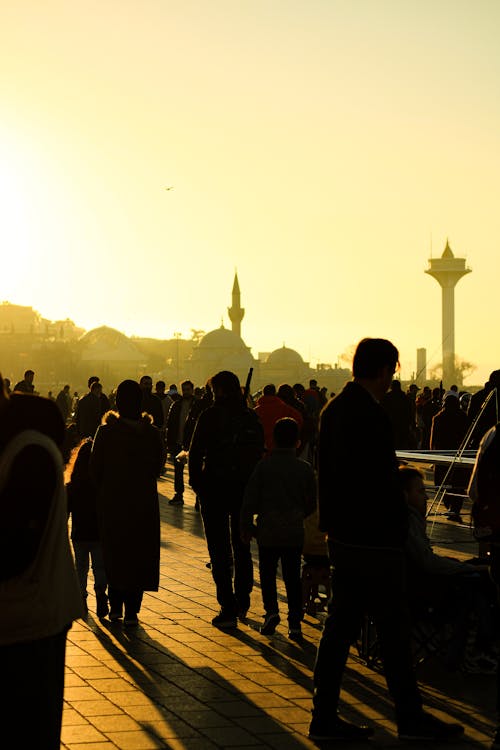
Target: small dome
284	357
222	338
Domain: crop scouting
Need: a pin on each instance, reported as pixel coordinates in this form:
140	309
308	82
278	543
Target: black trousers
367	581
32	699
228	554
290	558
131	599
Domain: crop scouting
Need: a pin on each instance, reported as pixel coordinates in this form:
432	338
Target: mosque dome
103	335
285	357
222	338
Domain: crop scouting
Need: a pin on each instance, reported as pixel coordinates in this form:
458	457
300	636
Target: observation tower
448	270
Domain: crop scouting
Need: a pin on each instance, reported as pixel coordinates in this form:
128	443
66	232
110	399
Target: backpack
239	448
485	511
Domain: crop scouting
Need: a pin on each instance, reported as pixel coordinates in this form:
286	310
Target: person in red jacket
269	409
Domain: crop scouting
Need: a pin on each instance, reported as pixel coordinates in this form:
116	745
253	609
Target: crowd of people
266	467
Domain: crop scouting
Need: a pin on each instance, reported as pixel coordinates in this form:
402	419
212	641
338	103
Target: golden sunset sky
321	147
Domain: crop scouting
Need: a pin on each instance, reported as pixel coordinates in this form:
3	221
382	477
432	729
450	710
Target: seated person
458	589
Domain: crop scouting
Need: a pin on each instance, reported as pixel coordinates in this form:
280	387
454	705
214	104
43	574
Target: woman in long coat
127	457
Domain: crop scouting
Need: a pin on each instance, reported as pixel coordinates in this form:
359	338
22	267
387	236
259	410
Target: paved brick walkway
176	682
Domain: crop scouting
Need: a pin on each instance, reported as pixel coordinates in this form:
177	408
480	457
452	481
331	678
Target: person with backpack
227	443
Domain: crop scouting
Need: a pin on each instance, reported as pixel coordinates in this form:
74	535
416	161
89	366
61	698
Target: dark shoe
336	728
427	727
131	621
225	621
242	614
115	615
102	608
270	624
176	500
295	634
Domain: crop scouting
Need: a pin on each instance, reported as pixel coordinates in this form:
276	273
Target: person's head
436	394
285	392
299	390
160	387
92	379
129	399
451	403
146	383
28	376
286	434
413	389
374	364
96	389
269	390
66	389
396	386
412	484
494	380
226	387
454	388
187	388
198	392
427	391
313	383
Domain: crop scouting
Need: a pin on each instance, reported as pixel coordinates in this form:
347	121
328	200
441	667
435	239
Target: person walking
126	459
363	510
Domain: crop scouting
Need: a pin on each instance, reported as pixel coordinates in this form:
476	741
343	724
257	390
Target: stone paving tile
81	732
136	740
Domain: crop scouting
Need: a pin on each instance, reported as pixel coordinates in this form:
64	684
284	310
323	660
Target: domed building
111	354
221	349
285	366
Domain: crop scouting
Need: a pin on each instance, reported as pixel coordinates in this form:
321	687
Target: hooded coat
126	459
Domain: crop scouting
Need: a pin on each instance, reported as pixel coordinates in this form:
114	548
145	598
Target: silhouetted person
26	385
449	427
398	407
281	492
89	411
82	507
489	417
363	510
39	592
7	387
177	418
227	442
428	410
126	459
151	404
63	402
270	407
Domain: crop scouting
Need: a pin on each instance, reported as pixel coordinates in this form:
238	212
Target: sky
326	149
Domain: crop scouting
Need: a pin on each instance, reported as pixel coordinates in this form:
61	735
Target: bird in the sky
169	188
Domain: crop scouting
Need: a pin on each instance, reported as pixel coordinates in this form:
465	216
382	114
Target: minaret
448	270
236	312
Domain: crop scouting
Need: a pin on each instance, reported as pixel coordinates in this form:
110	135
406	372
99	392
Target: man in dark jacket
151	404
362	508
227	443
